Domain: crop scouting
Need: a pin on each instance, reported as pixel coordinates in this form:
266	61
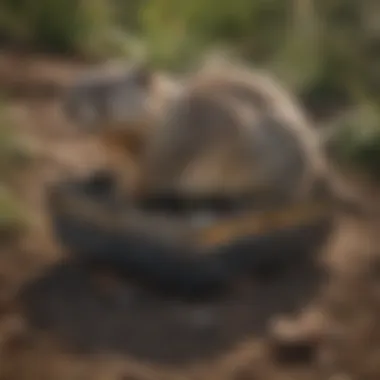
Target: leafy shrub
13	216
355	141
59	25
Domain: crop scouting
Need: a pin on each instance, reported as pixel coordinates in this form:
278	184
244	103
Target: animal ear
143	75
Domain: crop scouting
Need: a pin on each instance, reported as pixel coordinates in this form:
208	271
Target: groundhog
119	104
225	129
231	159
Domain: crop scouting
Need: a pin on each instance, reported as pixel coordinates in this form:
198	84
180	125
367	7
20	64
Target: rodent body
224	129
233	131
228	133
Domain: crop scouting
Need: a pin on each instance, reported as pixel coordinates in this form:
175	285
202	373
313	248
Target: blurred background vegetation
326	51
13	157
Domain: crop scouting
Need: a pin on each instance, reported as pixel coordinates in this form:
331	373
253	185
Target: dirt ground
307	324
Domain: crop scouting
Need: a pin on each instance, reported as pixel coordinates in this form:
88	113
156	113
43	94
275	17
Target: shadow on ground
96	315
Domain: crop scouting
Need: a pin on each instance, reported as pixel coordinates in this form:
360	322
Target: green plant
59	26
13	217
355	141
13	155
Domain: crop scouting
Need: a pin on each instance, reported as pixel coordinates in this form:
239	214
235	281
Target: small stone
296	342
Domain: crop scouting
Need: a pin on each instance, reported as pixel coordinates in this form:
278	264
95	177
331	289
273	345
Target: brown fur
234	131
225	130
120	104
